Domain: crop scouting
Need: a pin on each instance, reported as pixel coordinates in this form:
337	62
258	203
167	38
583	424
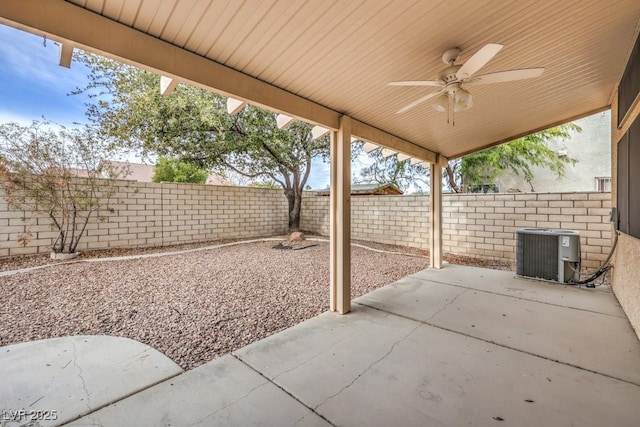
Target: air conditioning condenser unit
548	254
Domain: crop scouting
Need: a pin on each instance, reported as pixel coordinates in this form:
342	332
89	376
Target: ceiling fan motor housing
449	74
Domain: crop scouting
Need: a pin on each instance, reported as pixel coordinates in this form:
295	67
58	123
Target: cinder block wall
485	226
482	226
149	214
395	220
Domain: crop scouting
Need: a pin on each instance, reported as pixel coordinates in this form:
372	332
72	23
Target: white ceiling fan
453	81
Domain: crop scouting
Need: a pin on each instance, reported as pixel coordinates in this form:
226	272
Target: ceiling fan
453	80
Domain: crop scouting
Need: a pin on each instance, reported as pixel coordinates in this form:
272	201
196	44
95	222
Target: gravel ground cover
194	306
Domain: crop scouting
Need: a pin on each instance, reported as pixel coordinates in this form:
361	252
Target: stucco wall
626	278
626	272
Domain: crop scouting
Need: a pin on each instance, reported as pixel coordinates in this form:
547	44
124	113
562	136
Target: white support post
340	225
435	216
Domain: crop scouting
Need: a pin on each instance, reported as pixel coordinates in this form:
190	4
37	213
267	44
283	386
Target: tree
389	170
57	171
481	168
172	170
517	156
192	124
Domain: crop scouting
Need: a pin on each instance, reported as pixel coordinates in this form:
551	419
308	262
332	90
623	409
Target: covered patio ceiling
318	60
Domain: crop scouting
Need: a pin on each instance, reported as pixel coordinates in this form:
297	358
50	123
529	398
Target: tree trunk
452	180
294	200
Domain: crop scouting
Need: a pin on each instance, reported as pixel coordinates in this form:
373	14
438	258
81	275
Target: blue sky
34	86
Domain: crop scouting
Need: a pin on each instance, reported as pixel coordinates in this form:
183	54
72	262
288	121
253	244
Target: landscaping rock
296	237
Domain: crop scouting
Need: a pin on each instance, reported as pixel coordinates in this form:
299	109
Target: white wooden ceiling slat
129	12
160	18
192	20
236	37
354	32
220	23
178	19
425	70
282	41
199	40
370	47
264	32
146	14
112	9
96	6
324	27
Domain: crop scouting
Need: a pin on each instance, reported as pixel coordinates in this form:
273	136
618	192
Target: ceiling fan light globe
463	100
441	104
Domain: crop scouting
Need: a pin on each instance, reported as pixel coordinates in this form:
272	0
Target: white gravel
193	307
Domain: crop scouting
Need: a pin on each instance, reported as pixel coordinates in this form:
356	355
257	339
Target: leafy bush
47	168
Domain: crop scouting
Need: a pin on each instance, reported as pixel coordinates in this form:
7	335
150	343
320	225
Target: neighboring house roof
82	173
133	171
370	190
144	173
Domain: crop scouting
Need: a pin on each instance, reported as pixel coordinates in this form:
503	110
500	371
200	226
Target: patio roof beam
284	121
387	152
66	54
167	85
234	106
319	132
384	139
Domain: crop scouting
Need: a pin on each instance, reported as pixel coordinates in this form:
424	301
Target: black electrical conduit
606	266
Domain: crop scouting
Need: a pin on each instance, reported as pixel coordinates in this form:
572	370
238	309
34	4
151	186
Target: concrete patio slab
57	380
436	378
506	283
225	392
350	344
422	375
589	338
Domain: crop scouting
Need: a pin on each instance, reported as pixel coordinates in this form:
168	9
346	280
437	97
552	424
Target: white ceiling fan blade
418	102
506	76
478	60
416	83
